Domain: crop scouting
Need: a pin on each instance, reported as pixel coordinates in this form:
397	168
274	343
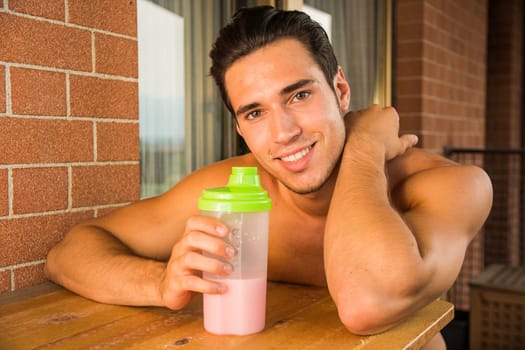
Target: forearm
373	262
96	265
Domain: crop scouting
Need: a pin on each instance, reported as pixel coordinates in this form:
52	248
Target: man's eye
253	115
302	95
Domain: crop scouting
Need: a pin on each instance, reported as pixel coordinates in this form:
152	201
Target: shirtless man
355	208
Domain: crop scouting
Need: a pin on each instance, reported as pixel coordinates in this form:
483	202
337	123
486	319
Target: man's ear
237	127
342	90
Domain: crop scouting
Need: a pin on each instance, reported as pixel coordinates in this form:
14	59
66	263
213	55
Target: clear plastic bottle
244	206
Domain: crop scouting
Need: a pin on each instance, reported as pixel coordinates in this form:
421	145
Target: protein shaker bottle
244	206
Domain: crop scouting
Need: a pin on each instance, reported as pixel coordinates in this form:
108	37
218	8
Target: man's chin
304	189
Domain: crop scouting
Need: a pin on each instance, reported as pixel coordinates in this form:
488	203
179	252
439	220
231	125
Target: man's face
287	113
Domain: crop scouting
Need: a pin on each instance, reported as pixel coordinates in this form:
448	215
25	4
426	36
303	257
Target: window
161	98
361	40
183	123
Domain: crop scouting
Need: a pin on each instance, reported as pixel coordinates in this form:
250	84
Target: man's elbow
356	322
364	317
367	311
52	267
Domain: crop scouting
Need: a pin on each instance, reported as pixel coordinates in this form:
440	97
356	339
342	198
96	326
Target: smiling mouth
297	156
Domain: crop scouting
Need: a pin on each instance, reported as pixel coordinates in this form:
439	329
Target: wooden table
298	317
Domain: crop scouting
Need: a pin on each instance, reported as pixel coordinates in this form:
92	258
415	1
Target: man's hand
191	256
379	127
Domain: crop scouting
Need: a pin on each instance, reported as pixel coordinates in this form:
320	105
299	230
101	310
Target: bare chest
296	250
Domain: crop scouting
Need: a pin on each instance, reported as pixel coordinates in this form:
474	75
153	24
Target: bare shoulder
431	184
429	165
182	197
413	161
216	175
213	175
151	226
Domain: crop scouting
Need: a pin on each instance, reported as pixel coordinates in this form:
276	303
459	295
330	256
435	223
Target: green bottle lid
242	194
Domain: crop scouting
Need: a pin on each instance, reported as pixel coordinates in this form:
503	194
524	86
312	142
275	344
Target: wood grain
298	317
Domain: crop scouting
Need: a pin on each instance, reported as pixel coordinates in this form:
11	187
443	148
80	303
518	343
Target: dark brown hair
255	27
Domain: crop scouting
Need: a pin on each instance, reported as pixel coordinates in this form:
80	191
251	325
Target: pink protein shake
240	311
244	206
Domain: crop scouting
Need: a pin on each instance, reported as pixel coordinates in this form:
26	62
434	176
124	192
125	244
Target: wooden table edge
434	328
26	293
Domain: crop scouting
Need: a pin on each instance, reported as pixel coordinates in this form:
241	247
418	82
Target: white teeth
295	157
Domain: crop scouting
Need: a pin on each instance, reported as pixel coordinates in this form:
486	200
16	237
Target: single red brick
410	49
409	11
38	92
29	275
2	90
5	281
117	141
4	195
27	140
31	41
410	124
118	16
39	189
30	238
410	31
412	67
108	184
116	56
409	86
53	9
409	104
103	98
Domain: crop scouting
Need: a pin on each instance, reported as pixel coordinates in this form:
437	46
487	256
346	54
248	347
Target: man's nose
284	126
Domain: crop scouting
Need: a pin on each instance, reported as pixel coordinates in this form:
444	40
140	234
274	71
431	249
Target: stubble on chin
313	186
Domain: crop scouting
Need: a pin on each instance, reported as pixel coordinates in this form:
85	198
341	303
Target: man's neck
313	204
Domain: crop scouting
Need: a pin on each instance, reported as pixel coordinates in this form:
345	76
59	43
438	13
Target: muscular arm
388	253
93	263
147	253
116	258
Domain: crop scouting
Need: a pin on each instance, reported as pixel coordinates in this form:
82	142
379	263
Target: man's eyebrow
297	85
285	91
246	108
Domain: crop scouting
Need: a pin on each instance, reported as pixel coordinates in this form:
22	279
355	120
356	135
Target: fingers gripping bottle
244	206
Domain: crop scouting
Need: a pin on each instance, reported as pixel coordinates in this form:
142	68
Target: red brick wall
441	71
69	144
505	69
440	93
504	127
